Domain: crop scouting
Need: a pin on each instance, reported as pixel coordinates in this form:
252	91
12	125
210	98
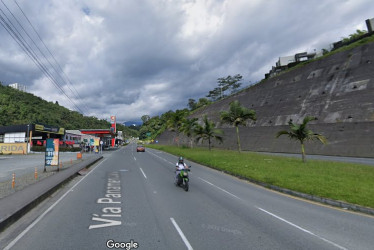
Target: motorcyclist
178	167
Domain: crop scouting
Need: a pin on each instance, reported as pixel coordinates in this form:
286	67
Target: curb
14	206
327	201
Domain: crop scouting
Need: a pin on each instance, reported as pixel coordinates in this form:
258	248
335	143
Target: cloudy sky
134	57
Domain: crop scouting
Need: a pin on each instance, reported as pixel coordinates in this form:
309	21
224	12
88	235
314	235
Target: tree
325	51
237	115
192	104
188	127
208	131
215	94
301	133
145	118
230	82
174	123
354	36
225	83
203	102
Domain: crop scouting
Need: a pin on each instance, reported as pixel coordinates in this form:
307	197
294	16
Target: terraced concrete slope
338	90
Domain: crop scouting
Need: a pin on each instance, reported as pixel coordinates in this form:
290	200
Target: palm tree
188	127
237	115
174	123
208	131
302	134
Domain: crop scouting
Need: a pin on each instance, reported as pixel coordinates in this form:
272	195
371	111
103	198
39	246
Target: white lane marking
302	229
223	190
143	173
13	242
160	158
181	234
134	158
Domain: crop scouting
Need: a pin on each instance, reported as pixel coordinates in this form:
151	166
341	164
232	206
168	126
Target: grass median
349	182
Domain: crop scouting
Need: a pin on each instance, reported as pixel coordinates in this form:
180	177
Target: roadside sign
52	152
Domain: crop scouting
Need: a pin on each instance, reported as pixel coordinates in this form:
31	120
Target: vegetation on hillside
17	107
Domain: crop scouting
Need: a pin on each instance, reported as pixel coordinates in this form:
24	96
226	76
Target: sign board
97	142
113	124
13	148
112	119
52	152
49	129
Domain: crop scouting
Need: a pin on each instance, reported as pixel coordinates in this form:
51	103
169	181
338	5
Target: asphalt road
25	164
130	198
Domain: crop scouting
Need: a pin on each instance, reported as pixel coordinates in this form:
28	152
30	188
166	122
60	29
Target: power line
21	41
36	32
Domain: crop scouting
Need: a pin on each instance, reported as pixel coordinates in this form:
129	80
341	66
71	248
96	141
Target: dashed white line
143	173
302	229
181	234
223	190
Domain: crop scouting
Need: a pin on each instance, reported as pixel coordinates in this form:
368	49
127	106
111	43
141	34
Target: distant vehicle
140	148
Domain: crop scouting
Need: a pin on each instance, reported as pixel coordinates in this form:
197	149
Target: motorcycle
182	180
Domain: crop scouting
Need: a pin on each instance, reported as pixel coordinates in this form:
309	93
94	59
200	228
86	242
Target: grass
348	182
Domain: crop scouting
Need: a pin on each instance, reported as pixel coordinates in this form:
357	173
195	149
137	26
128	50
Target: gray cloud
136	57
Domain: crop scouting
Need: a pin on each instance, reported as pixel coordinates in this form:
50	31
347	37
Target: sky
131	58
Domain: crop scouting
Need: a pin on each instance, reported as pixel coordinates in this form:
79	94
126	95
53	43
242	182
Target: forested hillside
17	107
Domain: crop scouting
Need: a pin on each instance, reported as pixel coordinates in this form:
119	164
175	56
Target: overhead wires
53	72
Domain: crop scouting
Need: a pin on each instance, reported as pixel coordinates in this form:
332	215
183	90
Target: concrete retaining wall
338	90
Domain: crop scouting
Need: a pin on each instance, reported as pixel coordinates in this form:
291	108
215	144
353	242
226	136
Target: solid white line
143	173
13	242
160	157
223	190
181	234
302	229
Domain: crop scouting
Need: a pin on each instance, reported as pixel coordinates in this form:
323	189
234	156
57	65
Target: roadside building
18	86
106	136
18	139
73	138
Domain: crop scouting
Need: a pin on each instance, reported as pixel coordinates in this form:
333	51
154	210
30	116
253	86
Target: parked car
140	148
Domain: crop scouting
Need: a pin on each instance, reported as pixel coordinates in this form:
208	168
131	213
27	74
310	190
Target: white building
18	86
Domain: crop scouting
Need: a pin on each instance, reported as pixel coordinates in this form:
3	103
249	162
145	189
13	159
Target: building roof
96	131
74	132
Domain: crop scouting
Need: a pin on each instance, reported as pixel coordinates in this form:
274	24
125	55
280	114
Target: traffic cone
36	174
14	180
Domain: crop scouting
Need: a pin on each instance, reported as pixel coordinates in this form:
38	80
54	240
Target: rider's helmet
180	160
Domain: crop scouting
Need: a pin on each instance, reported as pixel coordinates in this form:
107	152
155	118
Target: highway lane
218	212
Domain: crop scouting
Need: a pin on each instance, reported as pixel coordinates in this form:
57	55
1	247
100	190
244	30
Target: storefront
105	135
15	139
